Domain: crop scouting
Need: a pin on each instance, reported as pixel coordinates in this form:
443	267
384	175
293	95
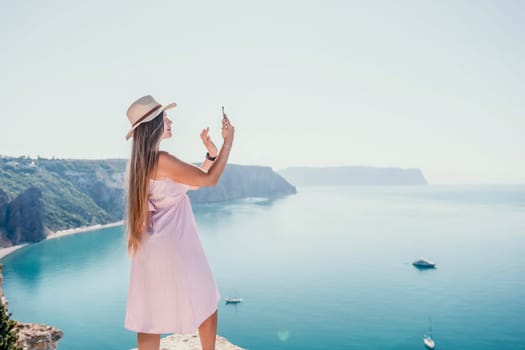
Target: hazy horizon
438	86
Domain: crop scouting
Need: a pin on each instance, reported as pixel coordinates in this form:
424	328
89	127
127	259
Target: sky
434	85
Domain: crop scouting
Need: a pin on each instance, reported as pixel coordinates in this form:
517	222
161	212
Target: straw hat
143	110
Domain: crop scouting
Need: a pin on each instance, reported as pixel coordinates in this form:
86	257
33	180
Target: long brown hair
141	165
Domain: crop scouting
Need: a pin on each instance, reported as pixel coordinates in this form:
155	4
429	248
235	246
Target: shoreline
57	234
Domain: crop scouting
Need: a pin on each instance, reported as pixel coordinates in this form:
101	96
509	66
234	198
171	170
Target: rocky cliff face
33	336
4	202
243	181
21	220
24	217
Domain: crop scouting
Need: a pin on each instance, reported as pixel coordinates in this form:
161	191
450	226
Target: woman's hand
208	143
227	130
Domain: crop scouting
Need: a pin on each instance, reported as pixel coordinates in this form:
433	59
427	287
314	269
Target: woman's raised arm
192	175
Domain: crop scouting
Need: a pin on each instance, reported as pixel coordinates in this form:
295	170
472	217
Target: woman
171	287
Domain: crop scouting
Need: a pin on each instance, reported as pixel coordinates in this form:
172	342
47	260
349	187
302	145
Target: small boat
424	263
233	300
429	342
427	339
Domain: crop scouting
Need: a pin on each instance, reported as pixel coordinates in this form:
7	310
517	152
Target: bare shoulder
168	163
176	169
164	153
166	160
165	156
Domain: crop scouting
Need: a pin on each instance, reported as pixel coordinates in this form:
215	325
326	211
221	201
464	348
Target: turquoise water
328	268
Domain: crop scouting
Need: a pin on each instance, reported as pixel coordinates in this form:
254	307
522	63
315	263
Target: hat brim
150	117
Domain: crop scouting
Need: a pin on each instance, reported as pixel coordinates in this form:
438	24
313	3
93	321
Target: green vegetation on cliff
65	203
8	335
56	194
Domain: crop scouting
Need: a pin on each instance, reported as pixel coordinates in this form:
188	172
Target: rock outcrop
37	336
192	342
33	336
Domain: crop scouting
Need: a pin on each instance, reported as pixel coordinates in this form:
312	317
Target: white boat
424	263
234	300
429	342
427	339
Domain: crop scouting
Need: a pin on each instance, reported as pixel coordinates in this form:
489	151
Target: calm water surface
328	268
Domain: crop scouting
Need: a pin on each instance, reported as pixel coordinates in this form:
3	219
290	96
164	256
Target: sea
327	268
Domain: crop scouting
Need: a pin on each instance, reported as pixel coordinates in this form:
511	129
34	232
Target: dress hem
171	331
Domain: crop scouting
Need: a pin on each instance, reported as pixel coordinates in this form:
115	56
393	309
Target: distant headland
353	176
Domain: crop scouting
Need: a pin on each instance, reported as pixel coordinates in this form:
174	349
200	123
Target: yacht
424	263
429	342
427	339
233	300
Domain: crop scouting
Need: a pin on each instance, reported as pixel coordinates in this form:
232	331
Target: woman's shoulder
161	161
165	162
165	156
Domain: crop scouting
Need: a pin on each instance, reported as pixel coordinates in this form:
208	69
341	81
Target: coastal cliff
40	196
23	217
243	181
